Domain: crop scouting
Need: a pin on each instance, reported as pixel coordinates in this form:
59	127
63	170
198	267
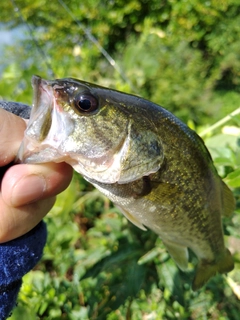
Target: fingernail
28	189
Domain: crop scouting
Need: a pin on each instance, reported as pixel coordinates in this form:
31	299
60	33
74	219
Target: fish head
96	130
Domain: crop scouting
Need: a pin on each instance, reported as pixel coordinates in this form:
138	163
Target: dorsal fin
229	203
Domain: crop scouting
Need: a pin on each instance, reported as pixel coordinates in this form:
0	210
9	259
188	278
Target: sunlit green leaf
233	179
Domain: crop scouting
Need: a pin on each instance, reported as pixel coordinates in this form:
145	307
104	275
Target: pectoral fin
133	219
178	253
145	188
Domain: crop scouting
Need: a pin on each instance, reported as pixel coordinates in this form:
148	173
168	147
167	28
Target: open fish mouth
48	126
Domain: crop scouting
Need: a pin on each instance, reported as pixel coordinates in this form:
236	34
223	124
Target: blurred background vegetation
181	54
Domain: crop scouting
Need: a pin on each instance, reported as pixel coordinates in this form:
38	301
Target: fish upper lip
38	85
36	80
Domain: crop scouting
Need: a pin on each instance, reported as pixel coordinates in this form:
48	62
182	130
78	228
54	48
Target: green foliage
181	54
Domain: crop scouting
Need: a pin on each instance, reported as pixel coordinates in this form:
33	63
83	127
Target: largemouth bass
144	159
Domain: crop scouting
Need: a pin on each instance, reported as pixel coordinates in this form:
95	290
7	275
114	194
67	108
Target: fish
144	159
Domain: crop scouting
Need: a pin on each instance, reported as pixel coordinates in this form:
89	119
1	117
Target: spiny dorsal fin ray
229	203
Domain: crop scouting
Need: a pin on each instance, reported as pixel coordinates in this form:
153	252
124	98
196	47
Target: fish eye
86	103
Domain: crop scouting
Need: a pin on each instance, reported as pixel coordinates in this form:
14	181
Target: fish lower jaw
31	153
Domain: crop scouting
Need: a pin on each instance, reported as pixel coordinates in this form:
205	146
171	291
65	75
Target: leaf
150	255
233	179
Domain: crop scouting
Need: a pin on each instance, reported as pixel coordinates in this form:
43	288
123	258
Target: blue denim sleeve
17	257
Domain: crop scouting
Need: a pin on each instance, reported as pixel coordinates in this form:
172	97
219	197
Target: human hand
27	191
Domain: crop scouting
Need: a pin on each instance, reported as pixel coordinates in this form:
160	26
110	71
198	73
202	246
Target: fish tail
207	270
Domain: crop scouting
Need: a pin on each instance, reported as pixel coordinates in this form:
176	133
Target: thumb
11	132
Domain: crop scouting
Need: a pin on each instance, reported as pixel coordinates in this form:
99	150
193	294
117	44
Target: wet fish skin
150	164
